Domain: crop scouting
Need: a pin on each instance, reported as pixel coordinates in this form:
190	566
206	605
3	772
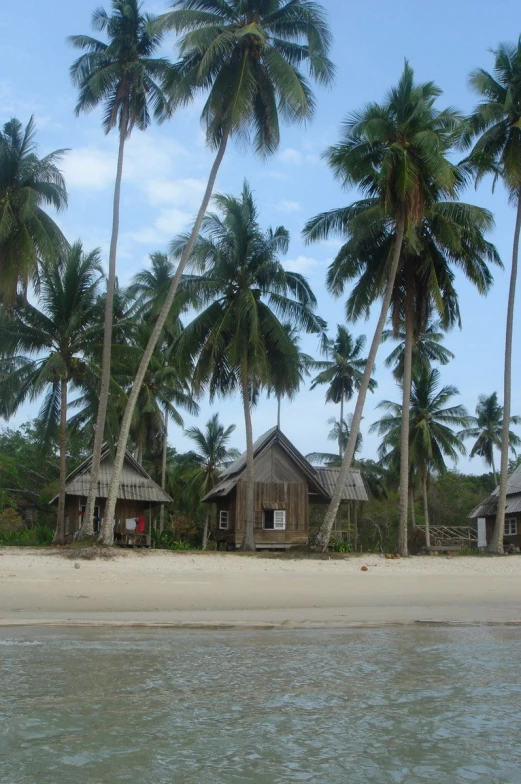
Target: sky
166	168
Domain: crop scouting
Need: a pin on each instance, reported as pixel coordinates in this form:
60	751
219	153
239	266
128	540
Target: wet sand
222	590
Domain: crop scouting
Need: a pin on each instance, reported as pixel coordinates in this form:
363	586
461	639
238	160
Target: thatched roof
321	481
488	507
135	484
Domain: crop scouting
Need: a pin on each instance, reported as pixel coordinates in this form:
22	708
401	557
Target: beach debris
364	569
392	556
77	565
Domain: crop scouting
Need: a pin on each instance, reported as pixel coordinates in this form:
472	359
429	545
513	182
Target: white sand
221	589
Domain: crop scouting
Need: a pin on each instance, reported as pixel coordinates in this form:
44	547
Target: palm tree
487	428
427	348
342	372
27	185
431	434
450	234
238	342
372	474
149	288
495	128
396	153
213	455
124	76
249	60
48	346
339	433
290	371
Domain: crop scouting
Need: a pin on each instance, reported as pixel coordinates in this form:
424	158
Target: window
95	517
275	519
511	526
224	518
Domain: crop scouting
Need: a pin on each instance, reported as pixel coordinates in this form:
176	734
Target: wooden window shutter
279	519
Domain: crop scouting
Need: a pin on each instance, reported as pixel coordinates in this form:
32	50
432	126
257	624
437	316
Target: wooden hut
485	513
286	484
138	496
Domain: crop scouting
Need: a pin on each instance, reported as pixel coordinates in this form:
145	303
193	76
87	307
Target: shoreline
226	591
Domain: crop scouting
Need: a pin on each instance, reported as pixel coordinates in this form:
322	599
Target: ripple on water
176	707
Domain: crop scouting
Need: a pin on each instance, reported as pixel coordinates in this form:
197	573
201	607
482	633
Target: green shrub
165	540
340	545
10	521
27	537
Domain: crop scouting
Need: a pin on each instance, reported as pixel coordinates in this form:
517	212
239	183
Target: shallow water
160	707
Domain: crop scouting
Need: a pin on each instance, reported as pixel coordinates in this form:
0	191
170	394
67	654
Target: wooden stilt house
286	484
138	497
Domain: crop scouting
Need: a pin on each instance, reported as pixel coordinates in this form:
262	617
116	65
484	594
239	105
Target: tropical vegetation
219	312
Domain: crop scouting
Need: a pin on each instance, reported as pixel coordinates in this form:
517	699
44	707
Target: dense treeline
115	365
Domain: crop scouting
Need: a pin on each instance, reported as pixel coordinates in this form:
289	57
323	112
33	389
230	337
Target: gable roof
135	484
321	480
513	506
354	488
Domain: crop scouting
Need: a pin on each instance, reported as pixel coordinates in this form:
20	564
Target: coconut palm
342	372
372	474
48	346
339	433
28	184
289	371
427	348
431	434
149	288
487	428
495	129
212	456
238	342
124	76
249	60
449	235
396	154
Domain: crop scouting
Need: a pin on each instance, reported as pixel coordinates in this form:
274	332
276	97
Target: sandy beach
225	589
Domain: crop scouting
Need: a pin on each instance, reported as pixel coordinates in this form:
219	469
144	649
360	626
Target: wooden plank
443	548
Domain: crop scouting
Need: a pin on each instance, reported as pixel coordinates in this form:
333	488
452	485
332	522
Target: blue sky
166	168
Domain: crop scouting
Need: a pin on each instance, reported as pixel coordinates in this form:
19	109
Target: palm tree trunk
496	543
59	534
108	531
494	472
87	526
278	410
163	470
413	511
340	432
426	509
248	539
324	533
406	414
205	529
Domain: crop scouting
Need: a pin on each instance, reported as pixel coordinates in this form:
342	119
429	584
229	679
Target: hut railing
446	535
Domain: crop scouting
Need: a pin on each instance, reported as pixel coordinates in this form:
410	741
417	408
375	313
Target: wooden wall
290	496
124	510
515	540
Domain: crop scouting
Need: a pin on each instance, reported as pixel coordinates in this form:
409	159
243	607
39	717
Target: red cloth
140	528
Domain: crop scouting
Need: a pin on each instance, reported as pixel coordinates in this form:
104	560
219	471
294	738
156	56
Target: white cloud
93	167
295	157
187	193
89	168
167	225
288	206
290	155
301	264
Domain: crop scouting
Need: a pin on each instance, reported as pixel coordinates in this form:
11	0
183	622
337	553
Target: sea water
407	704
